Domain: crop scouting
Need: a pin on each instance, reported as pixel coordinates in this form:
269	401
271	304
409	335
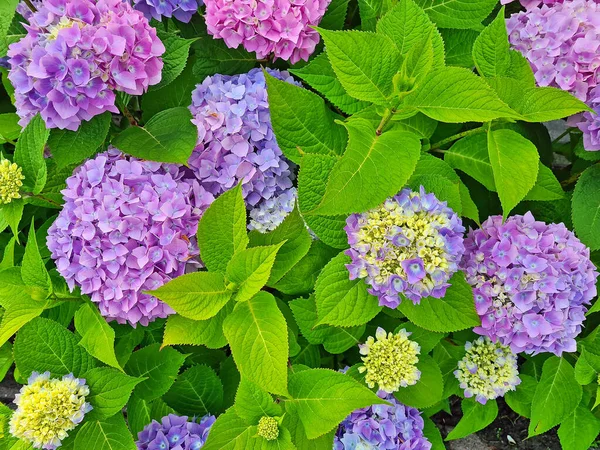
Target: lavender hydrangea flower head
182	10
382	427
530	4
488	371
269	214
531	283
411	244
278	27
48	408
75	54
175	432
127	226
236	143
588	122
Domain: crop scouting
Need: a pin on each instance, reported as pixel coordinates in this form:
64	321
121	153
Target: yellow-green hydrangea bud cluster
11	177
390	361
488	371
48	408
268	428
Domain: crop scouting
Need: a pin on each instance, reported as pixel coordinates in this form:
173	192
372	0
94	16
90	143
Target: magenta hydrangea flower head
278	27
76	54
411	245
382	427
182	10
531	283
175	432
236	143
127	226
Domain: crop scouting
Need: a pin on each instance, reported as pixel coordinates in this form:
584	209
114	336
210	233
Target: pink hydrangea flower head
531	282
182	10
278	27
236	144
127	226
76	54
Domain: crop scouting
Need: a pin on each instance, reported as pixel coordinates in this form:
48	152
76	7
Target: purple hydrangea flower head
531	283
127	226
269	214
75	54
530	4
236	143
410	245
278	27
182	10
488	370
588	122
382	427
175	432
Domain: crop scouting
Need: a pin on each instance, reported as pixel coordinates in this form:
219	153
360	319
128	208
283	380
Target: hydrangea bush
298	224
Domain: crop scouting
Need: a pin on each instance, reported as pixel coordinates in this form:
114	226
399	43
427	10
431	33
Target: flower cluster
236	143
561	43
411	244
269	214
175	432
382	427
76	54
390	361
278	27
268	428
48	408
182	10
127	226
11	176
531	282
588	122
530	4
488	370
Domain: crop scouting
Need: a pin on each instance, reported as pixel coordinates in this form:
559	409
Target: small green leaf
250	269
475	417
222	230
7	12
175	57
425	338
33	270
428	390
196	392
586	207
160	367
546	187
169	137
12	213
258	337
107	434
196	295
29	154
183	331
579	430
109	390
490	51
520	399
252	403
97	337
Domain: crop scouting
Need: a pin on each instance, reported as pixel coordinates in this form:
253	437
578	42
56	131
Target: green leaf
181	330
19	309
341	301
586	207
196	295
371	11
490	51
457	14
13	212
252	403
335	16
365	63
455	94
138	414
33	270
302	122
371	170
428	390
459	47
160	367
312	183
515	165
44	345
71	147
97	337
6	359
107	434
9	124
425	338
469	208
258	337
29	154
109	390
7	12
579	430
292	422
432	433
222	230
520	399
196	392
443	188
320	76
323	398
169	136
229	432
475	417
454	312
250	269
556	396
178	93
546	187
213	56
175	57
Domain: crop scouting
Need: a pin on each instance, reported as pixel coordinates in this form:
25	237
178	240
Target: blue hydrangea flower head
175	432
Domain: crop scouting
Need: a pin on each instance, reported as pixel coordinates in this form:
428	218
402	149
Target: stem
10	141
572	179
456	137
384	121
30	5
129	116
562	135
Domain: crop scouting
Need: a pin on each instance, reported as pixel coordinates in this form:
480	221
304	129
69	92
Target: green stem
30	5
572	179
456	137
387	116
562	135
129	116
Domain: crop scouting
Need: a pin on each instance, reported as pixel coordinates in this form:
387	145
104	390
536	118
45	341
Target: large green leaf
579	430
586	207
457	14
175	57
180	330
107	434
252	403
458	45
97	337
373	168
196	392
520	399
29	154
292	422
229	432
428	390
258	337
109	390
33	269
475	417
546	187
490	51
7	12
250	269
